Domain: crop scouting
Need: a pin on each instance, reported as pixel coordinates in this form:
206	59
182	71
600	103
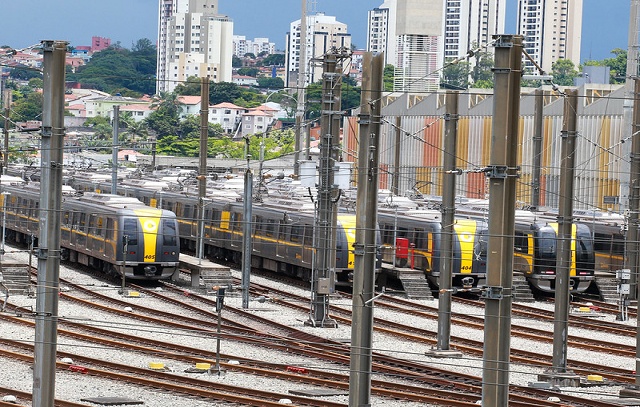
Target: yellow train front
536	252
413	239
110	233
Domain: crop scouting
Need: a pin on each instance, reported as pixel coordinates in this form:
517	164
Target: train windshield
169	232
480	248
131	231
585	254
546	244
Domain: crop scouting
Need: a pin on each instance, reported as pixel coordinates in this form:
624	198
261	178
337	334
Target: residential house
227	115
244	80
254	122
189	105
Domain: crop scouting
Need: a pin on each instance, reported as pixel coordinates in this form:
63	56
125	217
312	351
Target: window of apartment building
227	111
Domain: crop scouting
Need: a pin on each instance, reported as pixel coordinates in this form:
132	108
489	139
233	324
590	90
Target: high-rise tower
552	30
193	40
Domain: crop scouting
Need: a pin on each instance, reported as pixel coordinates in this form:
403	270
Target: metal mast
302	83
47	291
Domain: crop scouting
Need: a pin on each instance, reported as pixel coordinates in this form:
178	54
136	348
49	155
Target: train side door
130	239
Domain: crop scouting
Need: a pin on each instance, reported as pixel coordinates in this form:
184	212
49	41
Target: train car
609	238
536	251
110	233
535	248
282	231
414	239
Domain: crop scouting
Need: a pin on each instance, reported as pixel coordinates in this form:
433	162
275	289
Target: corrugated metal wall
601	151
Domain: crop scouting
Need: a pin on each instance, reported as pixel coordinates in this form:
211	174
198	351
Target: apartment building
193	40
243	46
552	30
323	33
419	37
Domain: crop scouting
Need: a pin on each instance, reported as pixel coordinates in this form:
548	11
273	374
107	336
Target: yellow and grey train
282	234
413	239
111	233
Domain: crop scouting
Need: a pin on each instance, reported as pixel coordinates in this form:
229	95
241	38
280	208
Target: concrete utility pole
328	194
202	170
301	83
448	218
247	246
366	220
633	232
502	175
7	112
537	148
633	45
396	157
114	150
558	374
48	253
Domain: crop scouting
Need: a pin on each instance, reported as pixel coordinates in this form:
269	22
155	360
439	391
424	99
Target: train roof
112	201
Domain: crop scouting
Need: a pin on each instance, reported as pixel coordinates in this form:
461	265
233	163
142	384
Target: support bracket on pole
493	293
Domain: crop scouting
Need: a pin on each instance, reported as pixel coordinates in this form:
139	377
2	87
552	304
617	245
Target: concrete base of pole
326	323
561	379
442	353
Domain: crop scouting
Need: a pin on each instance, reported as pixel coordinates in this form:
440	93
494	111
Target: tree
482	72
248	71
27	108
24	74
273	59
456	76
192	87
236	62
617	65
224	92
563	72
387	79
116	68
271	83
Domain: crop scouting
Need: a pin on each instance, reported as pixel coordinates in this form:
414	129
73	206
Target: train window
110	229
308	235
521	242
131	230
66	219
402	232
169	232
236	221
618	245
547	245
92	223
259	226
100	226
387	234
420	238
283	230
83	221
215	216
296	233
270	228
602	243
482	242
188	212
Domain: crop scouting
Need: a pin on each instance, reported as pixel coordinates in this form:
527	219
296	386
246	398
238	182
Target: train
410	237
282	230
413	239
111	233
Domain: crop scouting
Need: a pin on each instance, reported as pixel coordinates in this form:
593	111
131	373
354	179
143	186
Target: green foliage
223	92
617	65
349	99
563	72
456	76
191	87
249	71
96	120
27	108
271	83
24	74
118	69
236	62
250	55
273	59
387	78
482	72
